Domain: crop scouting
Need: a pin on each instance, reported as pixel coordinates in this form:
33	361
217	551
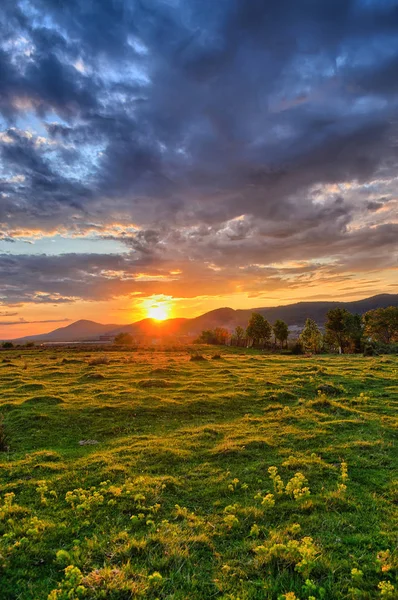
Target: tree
206	337
354	328
124	339
7	345
281	331
218	336
311	337
238	335
258	329
336	327
381	324
221	336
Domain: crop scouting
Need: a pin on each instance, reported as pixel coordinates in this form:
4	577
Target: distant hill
151	327
77	331
296	314
293	314
221	317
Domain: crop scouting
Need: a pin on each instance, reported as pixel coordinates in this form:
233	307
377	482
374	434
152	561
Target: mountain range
293	314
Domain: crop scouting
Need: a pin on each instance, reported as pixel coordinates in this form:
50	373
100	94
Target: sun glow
158	307
159	312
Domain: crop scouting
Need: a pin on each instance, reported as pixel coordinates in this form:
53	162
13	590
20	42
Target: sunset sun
158	312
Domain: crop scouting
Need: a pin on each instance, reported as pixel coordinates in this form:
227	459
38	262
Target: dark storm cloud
181	116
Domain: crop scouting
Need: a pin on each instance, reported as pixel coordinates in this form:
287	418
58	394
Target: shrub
369	351
218	336
297	349
99	360
197	356
391	348
124	339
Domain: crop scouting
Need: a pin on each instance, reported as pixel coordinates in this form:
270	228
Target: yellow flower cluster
70	588
297	486
303	554
42	489
84	500
6	509
276	480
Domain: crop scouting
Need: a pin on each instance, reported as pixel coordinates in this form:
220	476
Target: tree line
344	332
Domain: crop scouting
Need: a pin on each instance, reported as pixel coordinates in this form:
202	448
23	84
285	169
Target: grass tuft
99	360
197	357
154	383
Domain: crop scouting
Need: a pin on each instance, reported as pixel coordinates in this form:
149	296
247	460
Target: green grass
148	476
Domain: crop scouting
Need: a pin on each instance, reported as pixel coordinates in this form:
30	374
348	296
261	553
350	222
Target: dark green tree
311	337
258	329
218	336
381	324
206	337
336	330
239	335
281	331
354	328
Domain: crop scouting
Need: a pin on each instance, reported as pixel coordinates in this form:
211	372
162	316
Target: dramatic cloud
25	322
214	139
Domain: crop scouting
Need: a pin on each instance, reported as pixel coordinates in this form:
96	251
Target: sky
193	154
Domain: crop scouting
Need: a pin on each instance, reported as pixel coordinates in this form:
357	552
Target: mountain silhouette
292	314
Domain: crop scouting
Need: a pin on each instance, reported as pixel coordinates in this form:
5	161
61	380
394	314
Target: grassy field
241	477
